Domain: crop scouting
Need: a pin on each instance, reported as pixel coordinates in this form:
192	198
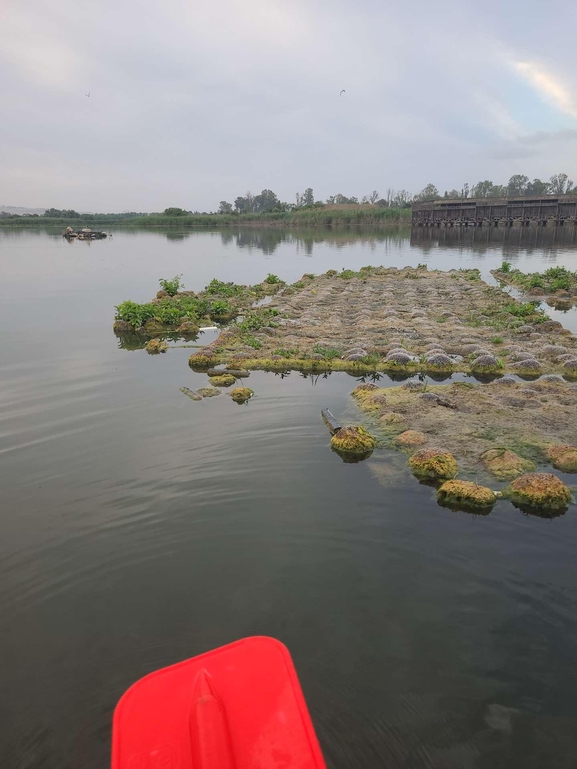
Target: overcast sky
195	101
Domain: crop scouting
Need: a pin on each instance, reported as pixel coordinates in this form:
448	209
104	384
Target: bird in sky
342	92
87	94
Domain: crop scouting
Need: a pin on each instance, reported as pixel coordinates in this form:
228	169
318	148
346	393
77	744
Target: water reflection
547	241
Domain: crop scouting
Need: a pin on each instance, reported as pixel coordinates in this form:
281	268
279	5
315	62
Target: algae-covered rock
208	392
353	439
155	346
505	464
563	457
433	463
362	390
122	327
467	495
188	328
539	491
411	438
241	394
226	380
202	360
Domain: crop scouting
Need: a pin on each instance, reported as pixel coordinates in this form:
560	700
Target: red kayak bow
237	707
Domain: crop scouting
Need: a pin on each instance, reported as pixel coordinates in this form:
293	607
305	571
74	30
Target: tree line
518	185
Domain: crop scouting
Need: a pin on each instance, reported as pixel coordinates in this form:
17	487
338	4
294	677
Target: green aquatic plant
505	267
171	286
467	494
330	353
135	314
223	289
272	279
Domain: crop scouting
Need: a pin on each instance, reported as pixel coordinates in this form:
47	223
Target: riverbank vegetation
556	282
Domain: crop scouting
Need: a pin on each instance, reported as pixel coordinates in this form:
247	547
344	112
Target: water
139	528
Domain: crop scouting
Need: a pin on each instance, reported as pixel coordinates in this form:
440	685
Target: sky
197	101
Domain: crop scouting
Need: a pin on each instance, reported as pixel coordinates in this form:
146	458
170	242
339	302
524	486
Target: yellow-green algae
155	346
466	493
241	394
226	380
542	491
434	463
353	439
563	457
411	438
505	464
202	360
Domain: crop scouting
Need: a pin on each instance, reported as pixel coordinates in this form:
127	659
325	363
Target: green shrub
505	267
273	279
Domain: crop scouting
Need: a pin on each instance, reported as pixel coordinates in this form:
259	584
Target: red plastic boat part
237	707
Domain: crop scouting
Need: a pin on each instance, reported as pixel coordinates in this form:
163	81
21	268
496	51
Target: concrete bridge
476	212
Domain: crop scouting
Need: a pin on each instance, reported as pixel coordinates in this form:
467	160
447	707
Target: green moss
353	439
202	360
241	394
226	380
465	494
433	464
155	346
563	457
540	491
505	464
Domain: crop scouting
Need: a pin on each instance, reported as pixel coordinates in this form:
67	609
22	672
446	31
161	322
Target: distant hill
20	210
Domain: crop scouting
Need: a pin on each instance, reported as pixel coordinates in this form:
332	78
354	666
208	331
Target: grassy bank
314	217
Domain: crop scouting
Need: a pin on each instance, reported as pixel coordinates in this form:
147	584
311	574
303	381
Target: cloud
550	86
195	102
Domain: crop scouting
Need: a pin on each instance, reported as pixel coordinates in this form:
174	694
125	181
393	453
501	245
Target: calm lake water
139	528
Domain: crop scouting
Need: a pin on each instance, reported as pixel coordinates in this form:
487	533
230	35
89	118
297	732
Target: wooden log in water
331	422
191	393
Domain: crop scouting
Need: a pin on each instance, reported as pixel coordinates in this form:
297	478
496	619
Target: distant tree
482	189
308	198
453	194
498	191
341	199
517	185
373	197
175	212
57	213
561	184
245	204
382	203
224	207
537	187
266	201
465	191
430	192
402	199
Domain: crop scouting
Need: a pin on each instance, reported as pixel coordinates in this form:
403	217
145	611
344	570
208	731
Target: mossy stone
563	457
434	464
541	491
241	394
226	380
505	464
411	438
465	493
353	439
